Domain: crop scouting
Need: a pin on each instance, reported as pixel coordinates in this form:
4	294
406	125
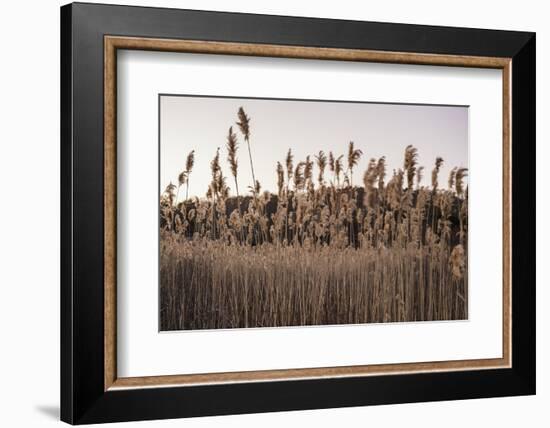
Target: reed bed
317	251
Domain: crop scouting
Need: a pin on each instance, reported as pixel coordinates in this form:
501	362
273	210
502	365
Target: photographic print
282	212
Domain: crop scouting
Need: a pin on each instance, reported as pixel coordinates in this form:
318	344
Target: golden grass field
319	250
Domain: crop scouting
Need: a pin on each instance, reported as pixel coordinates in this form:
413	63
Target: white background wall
29	213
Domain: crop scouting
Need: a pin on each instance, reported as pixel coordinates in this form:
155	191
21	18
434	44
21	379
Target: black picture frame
83	398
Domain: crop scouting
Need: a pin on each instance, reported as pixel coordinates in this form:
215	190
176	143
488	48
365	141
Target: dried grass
314	253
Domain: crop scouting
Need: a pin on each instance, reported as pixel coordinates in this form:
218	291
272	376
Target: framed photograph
266	213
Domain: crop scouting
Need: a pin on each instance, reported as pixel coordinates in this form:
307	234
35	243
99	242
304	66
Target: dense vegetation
318	250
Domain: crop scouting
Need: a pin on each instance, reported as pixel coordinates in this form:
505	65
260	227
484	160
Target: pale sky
201	124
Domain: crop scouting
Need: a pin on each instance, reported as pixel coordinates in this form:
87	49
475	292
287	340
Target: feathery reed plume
289	161
256	189
353	158
232	146
338	167
215	170
189	163
452	174
381	172
244	126
369	178
182	178
435	172
409	164
221	185
280	179
215	164
399	179
244	123
321	160
331	161
461	173
308	170
169	191
298	176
